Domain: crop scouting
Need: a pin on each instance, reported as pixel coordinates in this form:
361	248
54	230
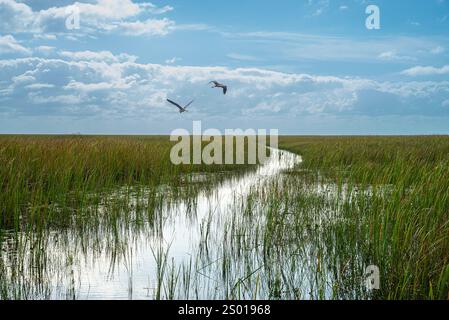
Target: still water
188	251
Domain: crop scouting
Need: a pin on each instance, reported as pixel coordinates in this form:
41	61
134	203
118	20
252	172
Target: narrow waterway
183	258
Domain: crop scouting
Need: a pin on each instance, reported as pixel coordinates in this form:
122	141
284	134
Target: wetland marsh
111	218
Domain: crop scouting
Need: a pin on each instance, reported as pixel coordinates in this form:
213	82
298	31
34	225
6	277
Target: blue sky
303	67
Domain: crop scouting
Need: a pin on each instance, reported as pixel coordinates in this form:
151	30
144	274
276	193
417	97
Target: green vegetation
45	178
401	221
306	233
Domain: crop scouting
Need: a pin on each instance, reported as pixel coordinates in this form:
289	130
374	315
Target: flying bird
181	109
219	85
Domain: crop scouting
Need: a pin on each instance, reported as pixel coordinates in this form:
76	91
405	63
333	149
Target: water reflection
186	247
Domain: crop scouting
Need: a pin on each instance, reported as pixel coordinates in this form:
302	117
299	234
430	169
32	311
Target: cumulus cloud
106	56
426	71
152	27
45	49
155	9
88	87
59	99
101	83
23	78
8	44
15	16
99	15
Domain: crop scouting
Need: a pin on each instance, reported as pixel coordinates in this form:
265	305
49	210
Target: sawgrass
309	233
45	178
401	222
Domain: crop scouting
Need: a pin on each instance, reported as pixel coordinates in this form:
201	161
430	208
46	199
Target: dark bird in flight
219	85
181	109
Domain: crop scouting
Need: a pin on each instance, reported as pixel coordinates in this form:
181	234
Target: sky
307	67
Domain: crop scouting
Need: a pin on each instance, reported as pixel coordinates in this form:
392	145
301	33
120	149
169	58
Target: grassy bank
401	223
39	172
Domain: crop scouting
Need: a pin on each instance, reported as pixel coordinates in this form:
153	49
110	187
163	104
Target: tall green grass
44	178
306	234
402	224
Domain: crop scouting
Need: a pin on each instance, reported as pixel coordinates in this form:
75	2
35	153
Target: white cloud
102	83
152	27
105	56
39	36
88	87
393	56
292	46
8	44
99	15
39	86
154	9
172	60
60	99
23	78
15	16
45	49
426	71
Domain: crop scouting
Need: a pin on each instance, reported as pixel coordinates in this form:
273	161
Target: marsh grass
307	233
87	194
402	223
47	179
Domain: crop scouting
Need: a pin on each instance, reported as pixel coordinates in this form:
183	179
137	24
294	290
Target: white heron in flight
220	85
181	109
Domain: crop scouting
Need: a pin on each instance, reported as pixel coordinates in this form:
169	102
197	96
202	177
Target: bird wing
188	104
214	82
225	89
174	103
